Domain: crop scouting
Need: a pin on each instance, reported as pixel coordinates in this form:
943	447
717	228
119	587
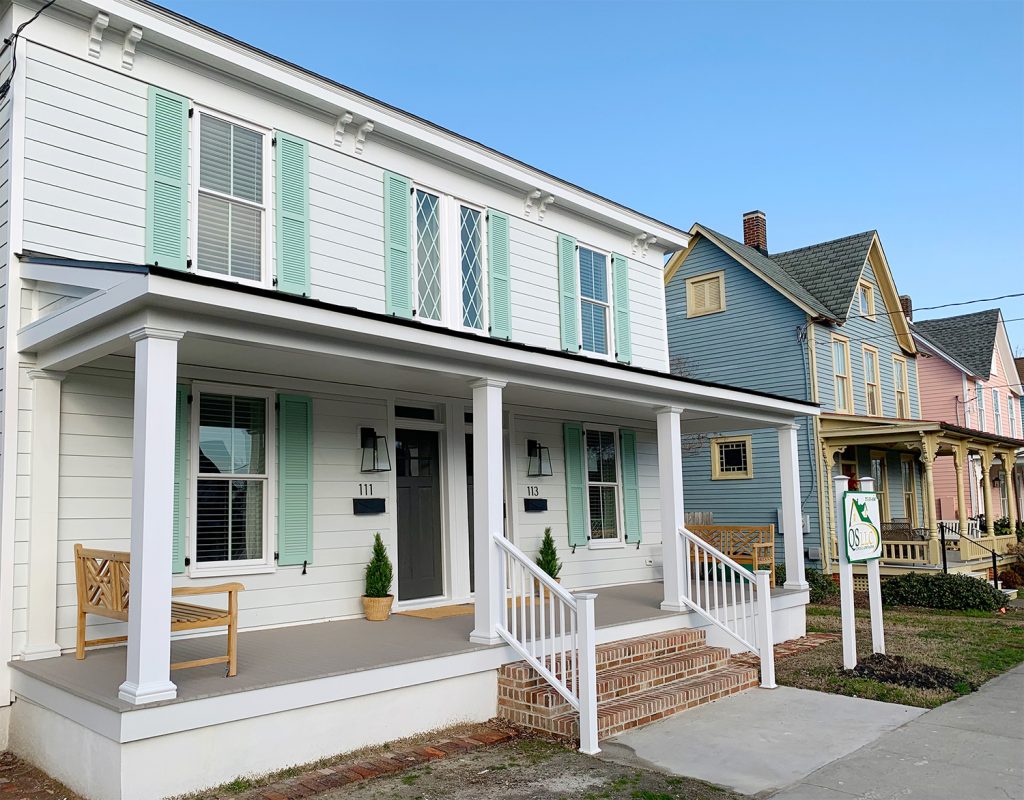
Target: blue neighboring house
822	323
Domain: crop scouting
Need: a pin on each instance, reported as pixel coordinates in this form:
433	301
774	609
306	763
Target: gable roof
829	270
969	338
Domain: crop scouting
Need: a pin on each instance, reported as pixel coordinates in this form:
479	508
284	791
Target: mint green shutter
620	299
500	297
292	214
167	180
568	296
630	487
295	481
180	479
397	245
575	483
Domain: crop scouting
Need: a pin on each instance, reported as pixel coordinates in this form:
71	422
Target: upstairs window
230	199
866	300
997	409
595	307
471	260
1011	416
841	369
705	294
731	458
602	460
872	389
428	254
979	392
899	379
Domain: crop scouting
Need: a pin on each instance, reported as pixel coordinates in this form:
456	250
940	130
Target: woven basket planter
377	609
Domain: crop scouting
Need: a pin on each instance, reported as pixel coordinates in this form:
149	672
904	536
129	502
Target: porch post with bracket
488	508
41	633
928	448
1011	489
670	475
961	468
149	600
792	516
985	456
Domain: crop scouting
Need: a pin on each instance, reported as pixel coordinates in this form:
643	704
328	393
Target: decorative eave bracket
131	39
544	203
641	242
361	134
99	24
344	120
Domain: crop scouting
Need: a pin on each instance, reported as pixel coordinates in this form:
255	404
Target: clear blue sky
832	117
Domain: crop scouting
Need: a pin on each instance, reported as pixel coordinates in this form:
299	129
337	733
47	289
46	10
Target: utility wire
943	305
12	42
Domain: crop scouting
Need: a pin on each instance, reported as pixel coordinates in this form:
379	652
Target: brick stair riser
615	684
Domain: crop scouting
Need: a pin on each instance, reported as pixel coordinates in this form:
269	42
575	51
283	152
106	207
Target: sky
831	117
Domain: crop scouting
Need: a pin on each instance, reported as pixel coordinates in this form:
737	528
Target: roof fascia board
1006	356
890	295
208	47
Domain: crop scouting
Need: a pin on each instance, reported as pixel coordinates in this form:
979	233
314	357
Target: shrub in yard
780	574
1011	579
954	592
1002	526
822	586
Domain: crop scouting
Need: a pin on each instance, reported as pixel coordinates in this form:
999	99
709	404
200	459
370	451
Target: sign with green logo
863	526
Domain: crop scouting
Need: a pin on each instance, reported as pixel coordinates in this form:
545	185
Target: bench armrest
185	591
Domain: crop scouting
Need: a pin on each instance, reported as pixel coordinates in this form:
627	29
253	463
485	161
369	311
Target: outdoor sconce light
538	459
375	451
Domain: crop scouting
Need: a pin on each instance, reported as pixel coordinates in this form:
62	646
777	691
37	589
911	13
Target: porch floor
277	656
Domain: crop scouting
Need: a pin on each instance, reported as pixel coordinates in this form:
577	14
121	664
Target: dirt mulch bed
860	600
19	780
897	670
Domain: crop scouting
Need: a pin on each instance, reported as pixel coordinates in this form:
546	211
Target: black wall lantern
538	460
376	457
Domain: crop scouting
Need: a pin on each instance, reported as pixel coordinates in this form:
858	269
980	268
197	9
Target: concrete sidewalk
972	747
761	740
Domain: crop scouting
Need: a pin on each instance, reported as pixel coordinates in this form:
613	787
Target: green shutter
500	297
292	214
569	301
167	180
181	449
575	483
620	287
630	487
397	245
295	481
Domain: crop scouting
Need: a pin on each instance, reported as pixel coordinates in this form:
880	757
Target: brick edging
388	763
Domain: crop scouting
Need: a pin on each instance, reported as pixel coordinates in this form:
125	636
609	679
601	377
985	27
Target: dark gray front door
417	471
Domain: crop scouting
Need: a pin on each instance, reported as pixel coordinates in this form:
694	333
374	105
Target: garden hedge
953	592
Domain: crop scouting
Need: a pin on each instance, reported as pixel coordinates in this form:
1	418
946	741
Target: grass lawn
976	645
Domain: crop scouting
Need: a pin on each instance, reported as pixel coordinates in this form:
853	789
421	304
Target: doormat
445	612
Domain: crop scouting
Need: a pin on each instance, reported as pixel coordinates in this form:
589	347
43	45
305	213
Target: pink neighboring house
968	377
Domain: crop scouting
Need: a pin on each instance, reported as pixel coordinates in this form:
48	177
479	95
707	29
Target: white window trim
249	566
267	268
457	319
609	309
620	542
444	254
979	396
693	281
716	473
997	411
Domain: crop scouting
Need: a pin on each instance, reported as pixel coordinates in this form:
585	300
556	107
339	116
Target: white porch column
670	476
149	599
488	508
41	634
792	516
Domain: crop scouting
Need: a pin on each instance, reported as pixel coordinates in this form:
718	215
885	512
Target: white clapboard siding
533	275
5	211
597	567
647	316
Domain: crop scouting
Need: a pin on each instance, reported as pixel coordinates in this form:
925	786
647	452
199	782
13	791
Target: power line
12	41
935	308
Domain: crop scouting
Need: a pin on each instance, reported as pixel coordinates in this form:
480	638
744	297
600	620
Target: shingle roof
969	338
829	270
772	271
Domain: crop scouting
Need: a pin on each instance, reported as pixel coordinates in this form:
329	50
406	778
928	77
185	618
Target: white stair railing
553	631
731	597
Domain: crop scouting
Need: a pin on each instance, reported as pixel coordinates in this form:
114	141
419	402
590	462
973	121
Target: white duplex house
249	318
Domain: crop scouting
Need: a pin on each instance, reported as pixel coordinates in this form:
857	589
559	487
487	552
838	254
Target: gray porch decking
277	656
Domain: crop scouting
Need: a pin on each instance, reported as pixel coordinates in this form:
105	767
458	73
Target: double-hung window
230	199
231	456
872	390
841	369
602	461
899	379
1011	416
595	307
429	283
866	300
997	409
979	393
471	267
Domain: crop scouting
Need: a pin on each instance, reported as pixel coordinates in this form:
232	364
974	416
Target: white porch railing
953	531
553	631
731	597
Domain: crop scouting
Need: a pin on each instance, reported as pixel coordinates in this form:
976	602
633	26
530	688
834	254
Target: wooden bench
102	578
747	545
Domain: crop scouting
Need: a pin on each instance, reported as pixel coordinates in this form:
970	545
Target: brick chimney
755	231
908	307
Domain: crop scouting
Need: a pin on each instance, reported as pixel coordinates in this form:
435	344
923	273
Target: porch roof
837	428
210	310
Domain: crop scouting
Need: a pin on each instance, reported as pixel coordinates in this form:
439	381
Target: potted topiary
378	598
547	558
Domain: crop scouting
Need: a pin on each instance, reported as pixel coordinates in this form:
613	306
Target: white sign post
859	530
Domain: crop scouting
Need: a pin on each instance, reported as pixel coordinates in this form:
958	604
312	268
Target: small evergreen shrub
547	558
1002	526
1011	579
952	592
823	588
780	574
379	572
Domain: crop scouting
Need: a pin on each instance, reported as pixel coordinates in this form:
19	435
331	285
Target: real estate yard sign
863	526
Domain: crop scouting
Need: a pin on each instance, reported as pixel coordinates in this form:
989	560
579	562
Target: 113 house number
533	491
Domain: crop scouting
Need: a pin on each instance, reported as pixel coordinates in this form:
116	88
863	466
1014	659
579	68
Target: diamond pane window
594	305
428	255
471	239
230	200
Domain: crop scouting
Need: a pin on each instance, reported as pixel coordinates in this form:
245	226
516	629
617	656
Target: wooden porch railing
905	552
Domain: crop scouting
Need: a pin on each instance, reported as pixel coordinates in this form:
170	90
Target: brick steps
639	681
